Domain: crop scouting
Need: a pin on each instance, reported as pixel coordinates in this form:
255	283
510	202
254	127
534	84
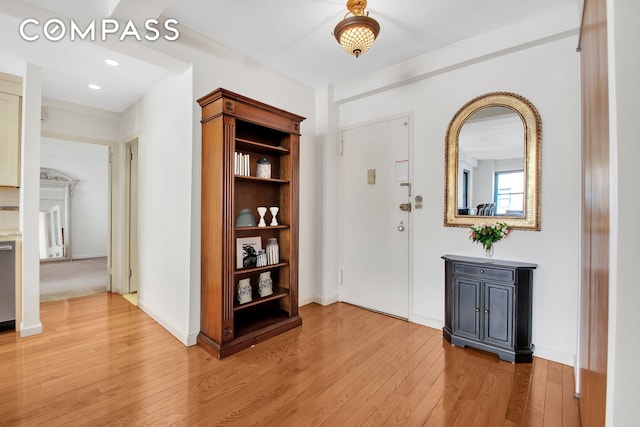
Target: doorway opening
74	226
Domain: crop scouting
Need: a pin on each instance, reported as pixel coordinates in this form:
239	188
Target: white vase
273	252
265	284
244	291
274	211
261	211
261	260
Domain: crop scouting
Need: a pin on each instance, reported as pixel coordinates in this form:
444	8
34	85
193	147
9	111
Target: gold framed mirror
493	163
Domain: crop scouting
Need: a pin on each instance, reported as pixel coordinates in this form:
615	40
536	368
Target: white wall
30	200
624	316
545	72
89	164
162	121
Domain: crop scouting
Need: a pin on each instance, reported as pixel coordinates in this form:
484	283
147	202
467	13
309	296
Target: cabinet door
498	311
466	308
9	140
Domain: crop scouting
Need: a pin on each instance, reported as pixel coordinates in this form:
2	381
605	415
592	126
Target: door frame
410	265
126	275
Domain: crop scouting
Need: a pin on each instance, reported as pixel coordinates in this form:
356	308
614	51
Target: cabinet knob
481	271
477	309
486	311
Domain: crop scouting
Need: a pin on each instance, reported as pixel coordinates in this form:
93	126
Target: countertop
9	233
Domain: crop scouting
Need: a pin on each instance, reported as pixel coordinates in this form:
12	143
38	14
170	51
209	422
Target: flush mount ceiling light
94	87
112	62
356	32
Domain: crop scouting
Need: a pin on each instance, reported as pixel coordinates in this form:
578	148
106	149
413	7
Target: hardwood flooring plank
494	396
413	389
458	405
102	361
387	398
519	395
534	413
553	396
570	405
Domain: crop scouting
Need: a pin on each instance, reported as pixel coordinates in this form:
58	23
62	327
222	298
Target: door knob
401	226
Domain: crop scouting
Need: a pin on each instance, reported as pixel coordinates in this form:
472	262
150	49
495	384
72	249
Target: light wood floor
102	361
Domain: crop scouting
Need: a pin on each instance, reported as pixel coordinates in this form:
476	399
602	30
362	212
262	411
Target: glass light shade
356	34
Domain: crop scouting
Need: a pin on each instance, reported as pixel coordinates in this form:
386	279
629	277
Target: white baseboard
27	331
183	338
88	256
318	300
426	321
305	301
192	339
327	300
554	355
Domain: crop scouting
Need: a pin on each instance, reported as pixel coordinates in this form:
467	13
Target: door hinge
341	147
130	273
131	156
341	276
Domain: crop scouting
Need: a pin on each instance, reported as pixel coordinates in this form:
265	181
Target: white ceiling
293	36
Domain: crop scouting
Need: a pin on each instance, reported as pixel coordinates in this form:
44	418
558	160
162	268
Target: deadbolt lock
406	207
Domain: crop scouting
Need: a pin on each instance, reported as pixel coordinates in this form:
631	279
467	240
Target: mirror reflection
491	164
54	219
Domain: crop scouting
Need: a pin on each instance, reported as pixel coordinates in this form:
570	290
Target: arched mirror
493	157
56	189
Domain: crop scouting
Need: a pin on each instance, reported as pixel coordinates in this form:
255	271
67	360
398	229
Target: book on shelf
241	164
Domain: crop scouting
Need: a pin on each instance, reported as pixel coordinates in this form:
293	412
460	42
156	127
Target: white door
373	228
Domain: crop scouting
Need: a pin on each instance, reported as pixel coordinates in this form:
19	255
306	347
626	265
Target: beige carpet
70	279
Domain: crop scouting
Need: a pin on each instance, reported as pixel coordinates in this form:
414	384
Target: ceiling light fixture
112	62
357	32
94	87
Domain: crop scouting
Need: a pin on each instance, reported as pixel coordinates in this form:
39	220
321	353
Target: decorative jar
244	291
265	284
263	169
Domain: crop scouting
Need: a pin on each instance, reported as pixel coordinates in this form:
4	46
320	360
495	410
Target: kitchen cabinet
10	105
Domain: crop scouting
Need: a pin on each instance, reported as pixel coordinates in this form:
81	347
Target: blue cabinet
488	306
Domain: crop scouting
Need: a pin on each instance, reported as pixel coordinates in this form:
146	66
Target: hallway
71	279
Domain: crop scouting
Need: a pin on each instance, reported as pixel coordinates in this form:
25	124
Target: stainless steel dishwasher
7	285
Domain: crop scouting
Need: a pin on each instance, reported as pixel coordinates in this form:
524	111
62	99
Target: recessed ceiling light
112	62
94	87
